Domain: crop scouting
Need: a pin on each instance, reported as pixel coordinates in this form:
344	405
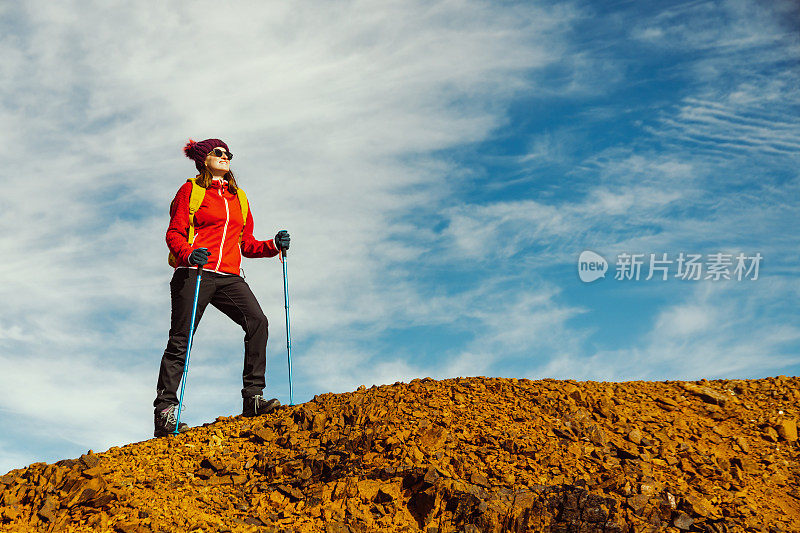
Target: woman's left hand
282	240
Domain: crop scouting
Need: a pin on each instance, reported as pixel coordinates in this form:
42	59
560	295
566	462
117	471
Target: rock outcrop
465	454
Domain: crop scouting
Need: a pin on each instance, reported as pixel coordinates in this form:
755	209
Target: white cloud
737	111
683	320
11	458
339	367
719	330
633	191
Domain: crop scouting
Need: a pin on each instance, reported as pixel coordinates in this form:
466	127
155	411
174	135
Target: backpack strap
195	201
245	207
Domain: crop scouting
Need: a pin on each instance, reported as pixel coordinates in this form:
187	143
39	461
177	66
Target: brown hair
205	177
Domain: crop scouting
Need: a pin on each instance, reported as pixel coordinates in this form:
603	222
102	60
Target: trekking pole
188	348
288	334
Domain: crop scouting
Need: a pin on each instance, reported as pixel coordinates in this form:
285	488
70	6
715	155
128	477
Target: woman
211	226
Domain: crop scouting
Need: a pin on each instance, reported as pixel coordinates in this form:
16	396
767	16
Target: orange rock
787	430
635	436
707	394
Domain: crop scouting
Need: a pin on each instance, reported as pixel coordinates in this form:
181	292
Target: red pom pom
188	148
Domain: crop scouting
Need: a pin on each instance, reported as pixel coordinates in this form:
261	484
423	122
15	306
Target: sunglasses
219	152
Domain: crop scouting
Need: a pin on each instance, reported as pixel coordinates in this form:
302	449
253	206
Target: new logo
591	266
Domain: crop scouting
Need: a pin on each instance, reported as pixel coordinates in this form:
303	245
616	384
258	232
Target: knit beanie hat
199	150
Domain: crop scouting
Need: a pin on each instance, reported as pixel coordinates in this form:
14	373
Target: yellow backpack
195	200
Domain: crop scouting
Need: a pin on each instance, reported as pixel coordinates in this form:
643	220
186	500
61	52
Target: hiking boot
257	405
165	422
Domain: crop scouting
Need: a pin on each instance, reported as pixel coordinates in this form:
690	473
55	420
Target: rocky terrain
465	454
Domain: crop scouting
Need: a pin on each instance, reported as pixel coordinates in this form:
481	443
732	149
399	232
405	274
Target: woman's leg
234	298
182	289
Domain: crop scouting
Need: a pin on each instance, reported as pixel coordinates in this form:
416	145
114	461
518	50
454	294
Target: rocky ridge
464	454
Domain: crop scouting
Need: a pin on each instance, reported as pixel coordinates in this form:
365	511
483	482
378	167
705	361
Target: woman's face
218	165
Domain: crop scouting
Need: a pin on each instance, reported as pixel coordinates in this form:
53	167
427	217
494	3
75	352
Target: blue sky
440	167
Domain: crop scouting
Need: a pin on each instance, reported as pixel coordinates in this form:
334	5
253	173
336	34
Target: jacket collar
219	183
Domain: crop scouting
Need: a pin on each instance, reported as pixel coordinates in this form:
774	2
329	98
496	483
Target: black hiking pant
231	295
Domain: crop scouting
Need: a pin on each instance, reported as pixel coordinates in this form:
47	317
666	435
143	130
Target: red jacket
217	226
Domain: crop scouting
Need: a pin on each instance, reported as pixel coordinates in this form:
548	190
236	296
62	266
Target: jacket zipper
224	230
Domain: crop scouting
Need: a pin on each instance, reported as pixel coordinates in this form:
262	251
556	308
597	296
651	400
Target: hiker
211	226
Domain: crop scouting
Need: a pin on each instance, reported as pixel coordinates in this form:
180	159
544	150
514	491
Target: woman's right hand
199	256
